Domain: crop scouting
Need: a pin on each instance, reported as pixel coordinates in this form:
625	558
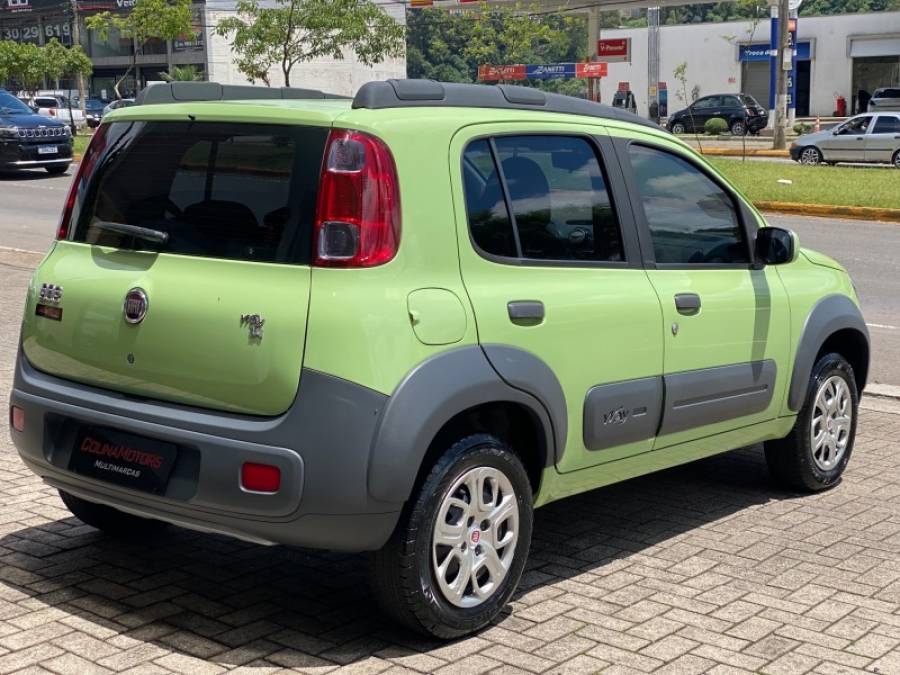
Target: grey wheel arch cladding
447	384
831	314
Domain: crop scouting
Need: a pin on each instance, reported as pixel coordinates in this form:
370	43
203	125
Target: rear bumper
321	445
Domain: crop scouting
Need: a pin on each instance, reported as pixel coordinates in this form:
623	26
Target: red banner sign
493	73
591	70
614	49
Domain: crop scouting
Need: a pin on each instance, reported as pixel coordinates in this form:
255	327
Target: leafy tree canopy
294	31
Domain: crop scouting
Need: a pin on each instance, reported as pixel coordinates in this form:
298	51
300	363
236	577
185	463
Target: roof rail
177	92
430	93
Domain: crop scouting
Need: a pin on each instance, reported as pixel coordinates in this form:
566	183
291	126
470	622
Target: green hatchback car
401	323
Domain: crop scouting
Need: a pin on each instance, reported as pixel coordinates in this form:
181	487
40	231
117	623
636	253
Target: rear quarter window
234	191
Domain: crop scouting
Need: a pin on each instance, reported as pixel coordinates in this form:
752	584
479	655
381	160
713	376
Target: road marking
10	249
882	325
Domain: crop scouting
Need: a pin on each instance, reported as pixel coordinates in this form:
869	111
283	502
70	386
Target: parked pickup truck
60	108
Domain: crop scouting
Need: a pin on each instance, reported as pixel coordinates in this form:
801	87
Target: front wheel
810	156
816	452
459	550
678	128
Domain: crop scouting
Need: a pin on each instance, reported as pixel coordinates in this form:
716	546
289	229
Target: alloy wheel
475	536
831	422
810	156
678	128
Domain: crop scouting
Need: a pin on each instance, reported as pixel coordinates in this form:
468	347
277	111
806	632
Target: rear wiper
133	230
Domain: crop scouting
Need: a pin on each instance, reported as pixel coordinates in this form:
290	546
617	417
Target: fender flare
440	388
831	314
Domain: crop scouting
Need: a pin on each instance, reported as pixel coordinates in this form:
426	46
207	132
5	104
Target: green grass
828	185
81	140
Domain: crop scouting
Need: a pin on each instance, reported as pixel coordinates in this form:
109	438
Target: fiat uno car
401	323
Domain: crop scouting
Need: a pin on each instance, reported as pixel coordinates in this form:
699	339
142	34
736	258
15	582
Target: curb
830	211
883	391
737	152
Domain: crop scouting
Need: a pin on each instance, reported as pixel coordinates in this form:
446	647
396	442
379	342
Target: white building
336	76
837	56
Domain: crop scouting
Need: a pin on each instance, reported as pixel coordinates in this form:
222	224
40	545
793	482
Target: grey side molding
428	397
831	314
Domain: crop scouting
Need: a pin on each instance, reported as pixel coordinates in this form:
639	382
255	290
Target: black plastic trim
431	93
622	412
184	92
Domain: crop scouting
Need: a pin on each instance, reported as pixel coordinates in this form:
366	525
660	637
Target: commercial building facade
837	56
38	21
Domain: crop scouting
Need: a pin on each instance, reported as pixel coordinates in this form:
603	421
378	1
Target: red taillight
260	477
52	112
358	211
85	168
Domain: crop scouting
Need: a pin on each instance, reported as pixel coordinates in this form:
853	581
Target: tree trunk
781	91
286	69
76	40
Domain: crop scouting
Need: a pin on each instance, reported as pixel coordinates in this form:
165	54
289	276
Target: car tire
816	452
896	160
109	520
436	588
56	170
738	128
678	128
811	156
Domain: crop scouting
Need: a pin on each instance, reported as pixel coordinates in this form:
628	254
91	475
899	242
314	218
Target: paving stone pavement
704	568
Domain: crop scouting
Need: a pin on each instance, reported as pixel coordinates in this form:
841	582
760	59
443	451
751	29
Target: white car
58	107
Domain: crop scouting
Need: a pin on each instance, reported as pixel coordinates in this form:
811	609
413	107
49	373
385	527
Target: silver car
872	137
886	99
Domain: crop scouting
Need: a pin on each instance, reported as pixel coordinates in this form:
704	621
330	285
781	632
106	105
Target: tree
182	74
59	62
147	20
450	47
9	53
296	31
26	65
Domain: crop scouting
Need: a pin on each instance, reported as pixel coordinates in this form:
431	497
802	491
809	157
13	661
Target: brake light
85	168
358	210
260	477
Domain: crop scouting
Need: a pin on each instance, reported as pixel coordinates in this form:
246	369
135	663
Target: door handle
525	311
687	303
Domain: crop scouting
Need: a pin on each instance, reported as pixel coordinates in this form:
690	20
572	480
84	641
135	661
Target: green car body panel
377	328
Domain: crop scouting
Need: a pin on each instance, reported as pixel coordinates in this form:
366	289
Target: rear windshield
220	190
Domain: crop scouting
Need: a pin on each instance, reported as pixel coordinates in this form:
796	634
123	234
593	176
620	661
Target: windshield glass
10	105
236	191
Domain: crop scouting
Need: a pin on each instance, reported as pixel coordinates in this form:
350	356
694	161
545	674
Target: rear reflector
17	418
260	477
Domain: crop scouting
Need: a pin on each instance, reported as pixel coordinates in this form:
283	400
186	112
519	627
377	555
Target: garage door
755	80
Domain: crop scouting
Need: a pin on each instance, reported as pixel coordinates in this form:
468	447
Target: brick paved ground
704	568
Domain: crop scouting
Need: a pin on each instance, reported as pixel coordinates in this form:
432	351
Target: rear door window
887	124
235	191
559	206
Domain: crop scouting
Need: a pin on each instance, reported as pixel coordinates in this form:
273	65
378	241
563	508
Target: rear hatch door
207	304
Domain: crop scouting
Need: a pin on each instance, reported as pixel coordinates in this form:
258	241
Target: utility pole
784	59
76	40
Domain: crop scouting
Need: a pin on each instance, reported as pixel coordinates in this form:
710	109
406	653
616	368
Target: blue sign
760	52
550	71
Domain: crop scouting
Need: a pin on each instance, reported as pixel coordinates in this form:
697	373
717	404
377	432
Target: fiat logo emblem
135	306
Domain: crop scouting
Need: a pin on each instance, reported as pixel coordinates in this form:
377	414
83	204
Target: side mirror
776	246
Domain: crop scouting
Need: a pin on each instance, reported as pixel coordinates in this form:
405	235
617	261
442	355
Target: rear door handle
525	310
687	303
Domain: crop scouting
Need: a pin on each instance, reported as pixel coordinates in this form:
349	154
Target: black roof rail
178	92
430	93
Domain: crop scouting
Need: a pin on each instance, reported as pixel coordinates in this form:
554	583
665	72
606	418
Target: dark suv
741	111
31	141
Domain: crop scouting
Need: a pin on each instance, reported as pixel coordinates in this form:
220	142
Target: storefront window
114	45
871	73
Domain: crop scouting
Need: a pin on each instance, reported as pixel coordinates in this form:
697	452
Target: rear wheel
816	452
109	520
896	160
458	552
810	156
678	128
57	170
738	128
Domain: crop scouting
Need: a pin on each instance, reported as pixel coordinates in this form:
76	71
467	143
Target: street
31	204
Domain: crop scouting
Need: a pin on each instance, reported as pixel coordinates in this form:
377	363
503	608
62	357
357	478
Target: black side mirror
776	246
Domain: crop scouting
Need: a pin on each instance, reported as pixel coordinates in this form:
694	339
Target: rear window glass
887	93
887	125
235	191
749	101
